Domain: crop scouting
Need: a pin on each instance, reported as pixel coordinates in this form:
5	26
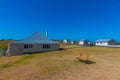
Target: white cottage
66	42
84	42
69	42
105	42
35	43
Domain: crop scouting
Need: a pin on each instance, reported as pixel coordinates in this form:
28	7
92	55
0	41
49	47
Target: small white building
69	42
105	42
84	42
66	42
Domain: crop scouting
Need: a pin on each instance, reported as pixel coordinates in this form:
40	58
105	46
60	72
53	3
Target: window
46	46
28	46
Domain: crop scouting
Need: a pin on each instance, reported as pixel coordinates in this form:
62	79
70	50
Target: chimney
46	33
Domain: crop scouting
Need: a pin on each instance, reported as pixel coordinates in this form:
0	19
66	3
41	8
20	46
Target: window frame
28	46
46	46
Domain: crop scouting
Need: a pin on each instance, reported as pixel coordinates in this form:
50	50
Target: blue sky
64	19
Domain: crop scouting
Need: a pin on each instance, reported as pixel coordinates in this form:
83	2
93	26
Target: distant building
84	42
74	42
58	41
66	42
69	42
35	43
105	42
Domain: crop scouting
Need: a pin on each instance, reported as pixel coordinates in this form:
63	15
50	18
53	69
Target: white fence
114	46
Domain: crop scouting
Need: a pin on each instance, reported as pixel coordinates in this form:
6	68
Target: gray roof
104	40
36	38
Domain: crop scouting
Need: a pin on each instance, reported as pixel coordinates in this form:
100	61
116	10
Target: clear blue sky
64	19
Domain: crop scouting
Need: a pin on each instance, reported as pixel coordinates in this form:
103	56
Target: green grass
6	65
22	61
0	54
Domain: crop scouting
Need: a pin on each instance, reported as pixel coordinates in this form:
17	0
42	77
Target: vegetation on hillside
4	43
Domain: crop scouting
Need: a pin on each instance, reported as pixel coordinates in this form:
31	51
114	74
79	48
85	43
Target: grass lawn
63	65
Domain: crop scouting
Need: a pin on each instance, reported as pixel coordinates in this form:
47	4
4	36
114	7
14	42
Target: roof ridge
37	37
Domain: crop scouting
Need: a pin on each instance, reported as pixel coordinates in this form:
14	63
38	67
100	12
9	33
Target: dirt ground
63	65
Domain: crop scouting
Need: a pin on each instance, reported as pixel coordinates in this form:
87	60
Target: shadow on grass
27	53
61	49
87	61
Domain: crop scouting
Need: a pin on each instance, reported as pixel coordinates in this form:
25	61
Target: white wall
66	42
102	44
72	42
81	43
84	43
17	49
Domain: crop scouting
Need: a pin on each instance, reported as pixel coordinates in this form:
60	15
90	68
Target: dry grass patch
63	65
